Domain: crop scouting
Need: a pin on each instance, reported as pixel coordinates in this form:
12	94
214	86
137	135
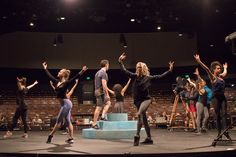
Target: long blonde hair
66	73
142	69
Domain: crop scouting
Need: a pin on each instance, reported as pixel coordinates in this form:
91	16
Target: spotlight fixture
62	18
132	20
55	42
123	40
31	24
158	27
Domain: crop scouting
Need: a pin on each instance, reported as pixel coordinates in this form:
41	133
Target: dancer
189	96
118	91
101	93
141	96
203	96
22	108
68	95
61	89
219	101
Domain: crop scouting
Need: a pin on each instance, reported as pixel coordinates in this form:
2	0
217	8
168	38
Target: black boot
49	140
148	140
136	140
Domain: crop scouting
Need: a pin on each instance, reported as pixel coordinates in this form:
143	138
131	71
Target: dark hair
104	62
117	89
214	64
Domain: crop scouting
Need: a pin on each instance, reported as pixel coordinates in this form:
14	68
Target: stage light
230	40
62	18
232	85
55	42
180	34
132	20
31	24
211	45
158	27
123	40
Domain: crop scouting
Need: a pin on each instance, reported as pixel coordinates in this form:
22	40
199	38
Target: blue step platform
117	127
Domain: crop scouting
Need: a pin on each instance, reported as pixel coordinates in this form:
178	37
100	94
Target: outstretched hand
122	57
36	82
197	57
171	65
76	81
44	65
225	66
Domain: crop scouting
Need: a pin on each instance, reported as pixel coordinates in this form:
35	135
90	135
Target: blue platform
117	127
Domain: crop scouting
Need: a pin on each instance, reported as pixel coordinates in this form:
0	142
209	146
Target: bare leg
96	114
106	108
71	130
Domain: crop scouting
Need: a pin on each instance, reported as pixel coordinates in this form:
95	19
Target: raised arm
191	82
122	66
224	73
48	73
171	65
78	74
210	75
125	87
53	87
197	73
32	85
72	89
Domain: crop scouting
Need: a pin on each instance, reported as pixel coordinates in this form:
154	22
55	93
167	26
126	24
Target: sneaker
95	126
148	140
198	133
49	140
70	141
25	135
136	140
103	119
8	134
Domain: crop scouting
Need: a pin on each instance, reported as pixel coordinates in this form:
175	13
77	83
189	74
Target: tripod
173	112
218	138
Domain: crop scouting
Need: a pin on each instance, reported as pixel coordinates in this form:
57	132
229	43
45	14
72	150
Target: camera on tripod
181	83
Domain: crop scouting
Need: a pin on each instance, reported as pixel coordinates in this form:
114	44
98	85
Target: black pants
142	117
20	112
220	105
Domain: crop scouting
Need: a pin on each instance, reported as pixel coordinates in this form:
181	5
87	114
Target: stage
166	143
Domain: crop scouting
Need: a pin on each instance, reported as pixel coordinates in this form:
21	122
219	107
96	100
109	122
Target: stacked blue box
117	127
